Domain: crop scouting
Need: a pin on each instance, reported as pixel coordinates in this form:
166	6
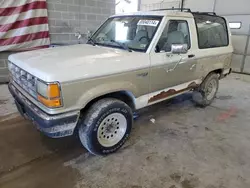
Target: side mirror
89	34
78	35
179	48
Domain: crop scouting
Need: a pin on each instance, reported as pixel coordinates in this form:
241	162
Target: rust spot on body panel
171	92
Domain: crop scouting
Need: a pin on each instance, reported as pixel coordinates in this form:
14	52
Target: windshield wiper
92	41
124	46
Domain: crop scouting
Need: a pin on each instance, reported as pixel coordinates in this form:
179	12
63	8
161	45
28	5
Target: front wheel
207	91
106	126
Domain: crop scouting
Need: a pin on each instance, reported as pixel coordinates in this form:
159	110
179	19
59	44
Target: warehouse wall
67	17
156	4
3	67
200	5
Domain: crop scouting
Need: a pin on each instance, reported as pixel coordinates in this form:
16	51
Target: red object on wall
23	25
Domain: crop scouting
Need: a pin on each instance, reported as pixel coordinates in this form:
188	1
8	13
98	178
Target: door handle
191	56
169	55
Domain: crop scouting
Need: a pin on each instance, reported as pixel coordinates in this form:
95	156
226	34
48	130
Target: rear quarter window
212	31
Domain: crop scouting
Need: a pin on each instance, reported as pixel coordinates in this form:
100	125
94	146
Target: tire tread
203	103
92	113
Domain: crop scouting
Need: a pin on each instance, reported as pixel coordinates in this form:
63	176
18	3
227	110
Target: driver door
170	70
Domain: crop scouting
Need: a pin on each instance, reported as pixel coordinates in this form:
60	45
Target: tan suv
132	61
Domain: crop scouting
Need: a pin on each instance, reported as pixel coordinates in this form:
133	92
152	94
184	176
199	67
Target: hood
74	62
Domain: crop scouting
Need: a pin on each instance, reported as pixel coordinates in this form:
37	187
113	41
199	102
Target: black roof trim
207	13
187	10
181	9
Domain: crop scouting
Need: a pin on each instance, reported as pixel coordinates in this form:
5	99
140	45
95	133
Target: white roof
157	13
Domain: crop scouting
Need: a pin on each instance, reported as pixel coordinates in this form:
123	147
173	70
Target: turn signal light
49	94
51	103
53	91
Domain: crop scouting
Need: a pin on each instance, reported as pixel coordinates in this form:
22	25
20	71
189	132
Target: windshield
127	32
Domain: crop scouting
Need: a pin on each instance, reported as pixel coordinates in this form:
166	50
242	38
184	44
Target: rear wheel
106	126
207	91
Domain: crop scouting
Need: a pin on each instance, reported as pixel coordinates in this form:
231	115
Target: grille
25	80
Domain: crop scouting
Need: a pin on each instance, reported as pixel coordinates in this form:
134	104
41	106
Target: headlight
49	94
42	88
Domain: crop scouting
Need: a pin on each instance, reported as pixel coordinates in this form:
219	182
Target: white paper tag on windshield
153	23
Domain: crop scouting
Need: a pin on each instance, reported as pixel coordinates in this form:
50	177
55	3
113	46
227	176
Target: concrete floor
186	147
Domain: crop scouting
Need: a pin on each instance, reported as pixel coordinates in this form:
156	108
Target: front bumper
54	126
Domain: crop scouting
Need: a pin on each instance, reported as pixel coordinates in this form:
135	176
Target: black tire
88	128
200	96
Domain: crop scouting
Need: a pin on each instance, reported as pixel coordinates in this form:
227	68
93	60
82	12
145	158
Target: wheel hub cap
211	89
112	129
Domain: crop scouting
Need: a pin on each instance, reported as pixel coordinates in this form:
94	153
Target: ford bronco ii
132	61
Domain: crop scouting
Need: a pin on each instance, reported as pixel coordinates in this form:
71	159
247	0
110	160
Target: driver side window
175	32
